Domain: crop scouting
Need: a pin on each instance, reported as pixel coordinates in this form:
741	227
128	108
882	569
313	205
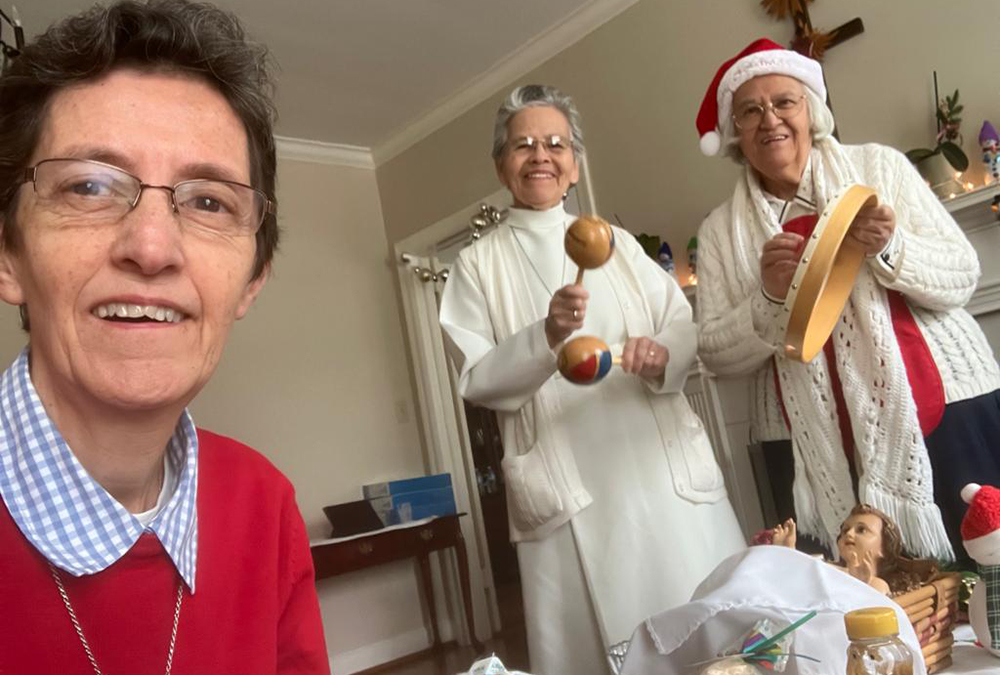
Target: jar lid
871	622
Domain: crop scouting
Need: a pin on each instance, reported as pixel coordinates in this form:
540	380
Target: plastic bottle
875	647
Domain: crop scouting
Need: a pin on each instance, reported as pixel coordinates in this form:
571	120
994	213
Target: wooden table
384	546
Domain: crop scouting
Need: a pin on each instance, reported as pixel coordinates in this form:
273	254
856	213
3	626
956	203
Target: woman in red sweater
137	223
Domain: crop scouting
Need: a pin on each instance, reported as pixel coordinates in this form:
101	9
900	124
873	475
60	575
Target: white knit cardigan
937	273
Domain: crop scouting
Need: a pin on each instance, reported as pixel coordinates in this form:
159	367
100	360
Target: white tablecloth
761	582
769	580
967	658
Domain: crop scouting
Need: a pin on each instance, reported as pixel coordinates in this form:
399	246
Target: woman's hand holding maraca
644	357
586	359
567	310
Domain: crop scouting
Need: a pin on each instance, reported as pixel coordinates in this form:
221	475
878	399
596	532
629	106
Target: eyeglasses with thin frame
554	144
91	191
749	115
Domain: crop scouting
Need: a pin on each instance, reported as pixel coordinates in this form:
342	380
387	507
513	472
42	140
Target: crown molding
522	60
319	152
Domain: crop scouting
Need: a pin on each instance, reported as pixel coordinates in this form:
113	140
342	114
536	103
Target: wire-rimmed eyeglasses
554	144
93	191
748	116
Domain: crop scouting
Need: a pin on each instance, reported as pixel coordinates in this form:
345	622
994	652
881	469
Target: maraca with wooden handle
590	241
586	360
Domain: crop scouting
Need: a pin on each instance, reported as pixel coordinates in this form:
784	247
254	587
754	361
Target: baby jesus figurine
870	548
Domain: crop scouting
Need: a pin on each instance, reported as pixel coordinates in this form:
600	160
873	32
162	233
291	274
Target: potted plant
939	164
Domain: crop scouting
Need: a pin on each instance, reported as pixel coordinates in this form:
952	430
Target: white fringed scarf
893	465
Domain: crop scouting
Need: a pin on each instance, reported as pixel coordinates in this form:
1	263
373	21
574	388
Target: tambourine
825	276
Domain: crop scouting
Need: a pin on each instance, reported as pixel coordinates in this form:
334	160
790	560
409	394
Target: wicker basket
932	609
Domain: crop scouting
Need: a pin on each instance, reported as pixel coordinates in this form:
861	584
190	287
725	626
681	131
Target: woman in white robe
618	508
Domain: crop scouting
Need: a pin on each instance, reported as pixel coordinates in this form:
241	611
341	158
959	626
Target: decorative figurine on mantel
981	537
989	141
666	259
870	549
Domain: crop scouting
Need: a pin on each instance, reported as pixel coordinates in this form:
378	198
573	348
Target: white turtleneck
504	376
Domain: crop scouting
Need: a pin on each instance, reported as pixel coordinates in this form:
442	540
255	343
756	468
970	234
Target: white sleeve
933	263
735	337
500	376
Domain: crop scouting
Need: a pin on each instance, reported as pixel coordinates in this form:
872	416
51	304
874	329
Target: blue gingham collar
65	513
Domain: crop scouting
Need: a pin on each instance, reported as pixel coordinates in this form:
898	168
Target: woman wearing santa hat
900	409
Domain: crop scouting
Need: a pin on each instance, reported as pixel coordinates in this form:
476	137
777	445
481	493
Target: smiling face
861	533
779	148
537	177
182	288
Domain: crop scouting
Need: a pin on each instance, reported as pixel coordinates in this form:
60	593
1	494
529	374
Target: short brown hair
158	35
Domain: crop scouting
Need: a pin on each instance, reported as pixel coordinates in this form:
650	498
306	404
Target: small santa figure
981	537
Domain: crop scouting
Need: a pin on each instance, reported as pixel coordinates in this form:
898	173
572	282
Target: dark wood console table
383	546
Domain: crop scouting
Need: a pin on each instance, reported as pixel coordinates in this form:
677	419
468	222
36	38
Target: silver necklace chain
534	269
83	639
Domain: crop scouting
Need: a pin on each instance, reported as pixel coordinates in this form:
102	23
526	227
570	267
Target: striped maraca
586	360
590	241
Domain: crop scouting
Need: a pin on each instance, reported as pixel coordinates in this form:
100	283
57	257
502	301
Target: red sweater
254	610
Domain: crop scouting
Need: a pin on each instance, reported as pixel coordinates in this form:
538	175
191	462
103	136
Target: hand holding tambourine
826	265
873	228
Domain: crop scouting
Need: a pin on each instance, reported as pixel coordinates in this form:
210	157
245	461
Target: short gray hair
821	124
534	96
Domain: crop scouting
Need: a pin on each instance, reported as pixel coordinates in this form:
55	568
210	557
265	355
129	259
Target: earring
22	313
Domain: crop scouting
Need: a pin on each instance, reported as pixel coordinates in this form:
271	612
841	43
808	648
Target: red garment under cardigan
254	611
921	371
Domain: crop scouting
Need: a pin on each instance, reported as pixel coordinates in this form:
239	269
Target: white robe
639	548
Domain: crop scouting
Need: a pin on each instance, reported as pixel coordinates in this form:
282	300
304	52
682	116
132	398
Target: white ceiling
381	74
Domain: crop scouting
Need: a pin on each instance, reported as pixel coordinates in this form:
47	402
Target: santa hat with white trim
761	57
981	524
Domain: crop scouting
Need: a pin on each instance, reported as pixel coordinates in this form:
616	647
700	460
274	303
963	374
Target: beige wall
639	79
316	378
